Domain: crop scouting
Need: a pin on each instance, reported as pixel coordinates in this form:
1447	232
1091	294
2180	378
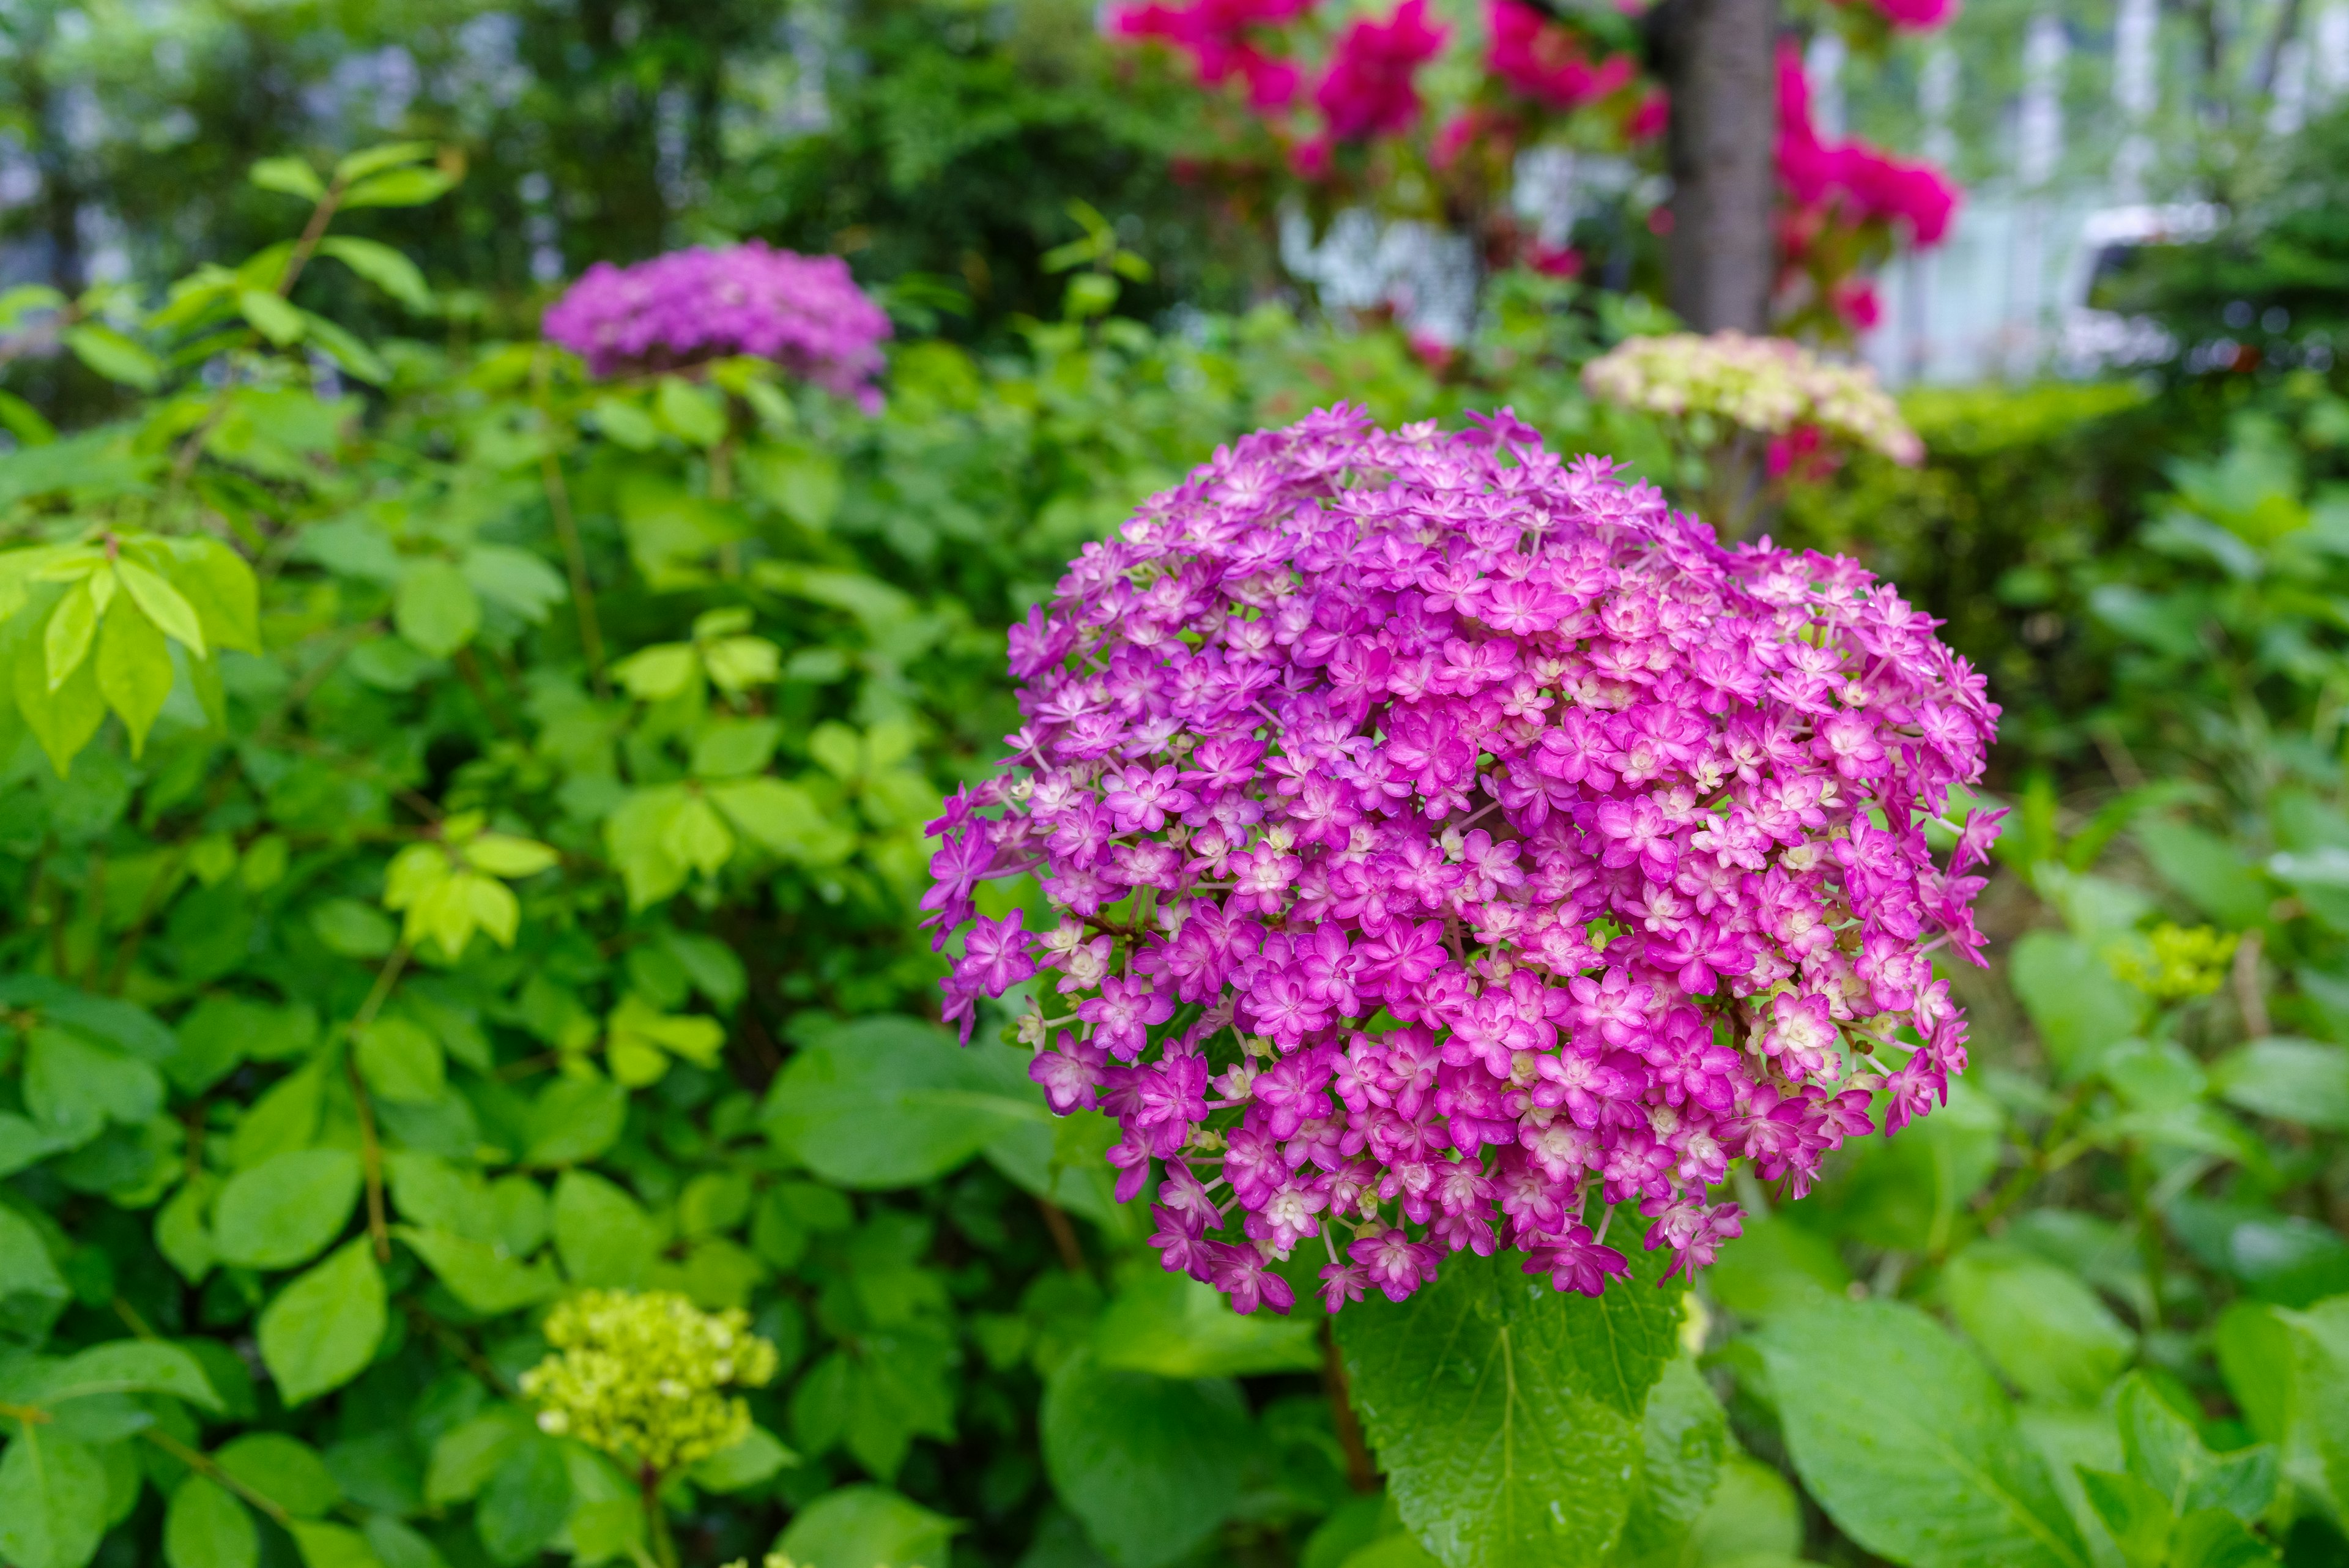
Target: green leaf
465	1458
354	357
370	161
62	718
785	818
1904	1439
321	1331
387	269
2075	1002
694	414
1152	1465
2295	1081
1682	1437
285	1469
71	631
287	176
401	1061
130	1366
164	604
1174	1326
436	609
30	1285
756	1459
481	1275
516	579
866	1527
271	316
397	1545
2208	870
206	1527
114	357
73	1087
134	671
2137	1516
353	929
52	1500
2044	1328
285	1209
574	1119
1496	1405
399	187
1752	1512
625	424
526	1501
889	1102
602	1235
217	582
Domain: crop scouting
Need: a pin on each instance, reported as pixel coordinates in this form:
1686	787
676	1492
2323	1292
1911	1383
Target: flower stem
663	1545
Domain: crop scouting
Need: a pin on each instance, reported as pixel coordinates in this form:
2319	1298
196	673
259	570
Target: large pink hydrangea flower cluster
1448	841
805	313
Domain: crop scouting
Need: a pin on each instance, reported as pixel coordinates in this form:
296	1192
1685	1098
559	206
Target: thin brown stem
370	1146
1362	1471
1064	1235
2250	1000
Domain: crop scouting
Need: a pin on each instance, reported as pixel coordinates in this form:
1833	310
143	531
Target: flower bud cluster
805	313
2175	964
1447	842
637	1374
1769	385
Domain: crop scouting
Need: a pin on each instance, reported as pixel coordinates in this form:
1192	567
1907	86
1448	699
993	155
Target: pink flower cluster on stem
1371	89
1869	183
805	313
1223	38
1538	58
1450	843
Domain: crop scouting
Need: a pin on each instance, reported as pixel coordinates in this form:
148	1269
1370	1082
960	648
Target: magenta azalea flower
1452	843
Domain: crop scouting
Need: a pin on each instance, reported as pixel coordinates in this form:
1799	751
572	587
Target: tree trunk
1716	60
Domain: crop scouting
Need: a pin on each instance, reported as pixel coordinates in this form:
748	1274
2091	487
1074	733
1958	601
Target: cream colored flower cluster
637	1374
1770	385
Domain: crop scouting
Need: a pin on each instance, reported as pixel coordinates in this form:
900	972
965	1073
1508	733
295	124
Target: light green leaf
625	424
271	316
331	1546
2077	1006
387	269
30	1285
52	1500
2291	1080
866	1527
206	1527
399	187
889	1102
695	414
400	1060
1904	1439
574	1119
1495	1404
281	1211
436	609
114	357
71	631
130	1366
602	1235
1174	1326
287	176
164	604
2046	1329
354	357
480	1273
525	1502
1152	1465
466	1457
754	1459
503	855
516	579
63	719
134	671
285	1469
370	161
321	1331
785	819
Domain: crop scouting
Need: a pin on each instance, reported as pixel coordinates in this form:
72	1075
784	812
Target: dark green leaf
866	1527
321	1331
52	1500
207	1527
1152	1465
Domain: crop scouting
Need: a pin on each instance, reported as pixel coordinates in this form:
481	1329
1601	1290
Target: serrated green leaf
1492	1401
1152	1465
1907	1442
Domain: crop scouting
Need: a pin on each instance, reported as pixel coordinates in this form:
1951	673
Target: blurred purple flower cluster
805	313
1448	838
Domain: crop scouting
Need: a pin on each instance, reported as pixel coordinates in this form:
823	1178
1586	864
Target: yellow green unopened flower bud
637	1374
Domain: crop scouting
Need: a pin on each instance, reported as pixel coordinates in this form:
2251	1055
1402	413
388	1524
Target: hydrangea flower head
1544	61
805	313
1449	843
1371	89
1870	183
639	1373
1769	385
